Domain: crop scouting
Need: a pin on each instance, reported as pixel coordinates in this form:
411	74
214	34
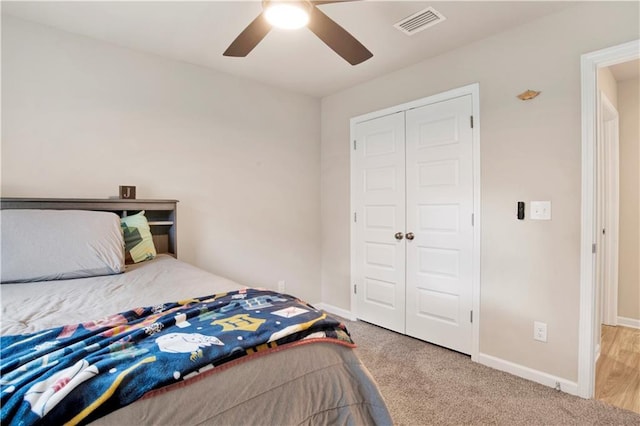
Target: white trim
352	227
529	373
629	322
336	311
590	62
586	373
470	89
477	221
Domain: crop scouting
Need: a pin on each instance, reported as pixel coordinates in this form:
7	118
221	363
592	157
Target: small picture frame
127	192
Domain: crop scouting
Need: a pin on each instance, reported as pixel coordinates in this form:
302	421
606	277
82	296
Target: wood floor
618	368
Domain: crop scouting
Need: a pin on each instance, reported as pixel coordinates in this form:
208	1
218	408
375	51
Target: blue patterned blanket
78	373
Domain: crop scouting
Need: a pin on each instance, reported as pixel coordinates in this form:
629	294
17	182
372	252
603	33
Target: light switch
540	210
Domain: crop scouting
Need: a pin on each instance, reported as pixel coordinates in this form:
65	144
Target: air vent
420	21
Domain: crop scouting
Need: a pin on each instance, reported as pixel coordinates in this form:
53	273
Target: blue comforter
78	373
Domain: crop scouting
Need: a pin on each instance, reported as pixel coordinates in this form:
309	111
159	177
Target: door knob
410	236
398	236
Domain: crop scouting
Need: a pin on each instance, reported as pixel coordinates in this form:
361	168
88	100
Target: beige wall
608	85
529	151
80	117
629	248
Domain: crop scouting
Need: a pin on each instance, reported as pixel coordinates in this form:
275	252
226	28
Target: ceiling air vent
420	21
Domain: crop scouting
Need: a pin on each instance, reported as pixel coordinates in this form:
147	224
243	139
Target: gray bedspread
315	383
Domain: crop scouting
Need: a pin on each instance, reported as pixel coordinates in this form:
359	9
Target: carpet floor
424	384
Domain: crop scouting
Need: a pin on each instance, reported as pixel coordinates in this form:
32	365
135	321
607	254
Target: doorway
592	269
618	236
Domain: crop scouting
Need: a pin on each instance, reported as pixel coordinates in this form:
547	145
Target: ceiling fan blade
249	38
337	38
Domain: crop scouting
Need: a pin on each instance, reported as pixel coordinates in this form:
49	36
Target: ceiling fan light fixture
302	13
288	15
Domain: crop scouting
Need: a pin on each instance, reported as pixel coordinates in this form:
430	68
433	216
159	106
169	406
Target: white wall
80	117
529	151
629	249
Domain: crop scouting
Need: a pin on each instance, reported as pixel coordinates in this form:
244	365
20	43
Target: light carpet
424	384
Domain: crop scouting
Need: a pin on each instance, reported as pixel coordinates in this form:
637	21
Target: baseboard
336	311
528	373
629	322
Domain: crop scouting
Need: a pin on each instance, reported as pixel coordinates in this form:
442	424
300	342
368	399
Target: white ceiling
198	32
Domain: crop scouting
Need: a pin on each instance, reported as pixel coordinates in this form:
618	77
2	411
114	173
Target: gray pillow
42	245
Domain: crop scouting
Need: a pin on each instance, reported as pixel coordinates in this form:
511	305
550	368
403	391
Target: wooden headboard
161	214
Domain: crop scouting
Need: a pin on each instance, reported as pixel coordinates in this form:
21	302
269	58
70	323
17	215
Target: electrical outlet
281	286
540	331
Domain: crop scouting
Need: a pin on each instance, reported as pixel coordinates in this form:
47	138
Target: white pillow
42	245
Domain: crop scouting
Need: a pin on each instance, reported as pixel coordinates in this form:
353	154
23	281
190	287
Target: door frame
470	89
608	135
587	327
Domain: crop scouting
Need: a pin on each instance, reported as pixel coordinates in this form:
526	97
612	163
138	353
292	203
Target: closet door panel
379	198
439	173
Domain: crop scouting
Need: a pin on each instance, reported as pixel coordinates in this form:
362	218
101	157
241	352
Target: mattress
316	383
41	305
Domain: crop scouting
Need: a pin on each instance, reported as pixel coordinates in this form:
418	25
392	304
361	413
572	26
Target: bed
315	380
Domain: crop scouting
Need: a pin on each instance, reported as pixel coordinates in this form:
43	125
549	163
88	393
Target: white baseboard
336	311
528	373
629	322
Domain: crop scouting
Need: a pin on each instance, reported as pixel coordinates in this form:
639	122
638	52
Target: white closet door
379	199
439	212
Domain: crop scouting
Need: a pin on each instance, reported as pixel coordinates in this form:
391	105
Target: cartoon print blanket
78	373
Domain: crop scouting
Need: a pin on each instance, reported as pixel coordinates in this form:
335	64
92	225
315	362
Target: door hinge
355	144
471	120
472	221
470	316
355	216
593	248
355	289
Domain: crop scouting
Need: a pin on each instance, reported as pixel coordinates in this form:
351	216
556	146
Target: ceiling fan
291	14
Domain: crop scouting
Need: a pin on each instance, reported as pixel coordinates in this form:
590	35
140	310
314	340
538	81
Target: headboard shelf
161	214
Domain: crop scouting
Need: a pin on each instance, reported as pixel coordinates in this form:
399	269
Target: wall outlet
540	331
281	286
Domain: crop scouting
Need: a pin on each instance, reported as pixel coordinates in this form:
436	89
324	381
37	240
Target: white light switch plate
540	210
